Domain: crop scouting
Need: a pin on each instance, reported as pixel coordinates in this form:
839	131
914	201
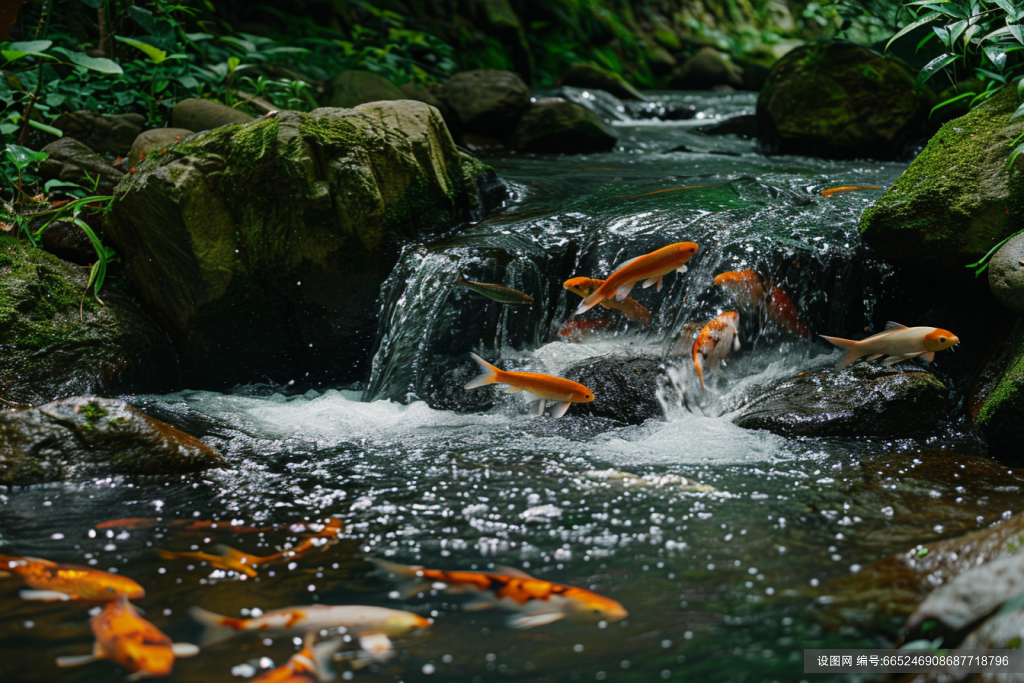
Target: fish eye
942	340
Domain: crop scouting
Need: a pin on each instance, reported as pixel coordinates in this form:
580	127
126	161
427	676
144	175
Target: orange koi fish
714	341
131	642
897	342
744	287
631	308
373	624
223	557
576	330
187	524
538	602
52	581
848	188
311	664
650	268
782	312
648	194
539	388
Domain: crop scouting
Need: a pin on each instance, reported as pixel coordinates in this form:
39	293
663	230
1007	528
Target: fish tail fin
698	364
323	656
489	376
407	577
851	347
215	627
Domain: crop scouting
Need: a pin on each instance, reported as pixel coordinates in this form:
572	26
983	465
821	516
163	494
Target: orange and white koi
223	557
51	581
898	343
847	188
131	642
376	623
781	311
631	308
538	387
714	342
744	287
650	268
537	601
311	664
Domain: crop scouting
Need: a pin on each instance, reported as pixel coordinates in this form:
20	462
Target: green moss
1004	407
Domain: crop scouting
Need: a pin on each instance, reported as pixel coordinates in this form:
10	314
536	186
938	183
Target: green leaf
949	9
1013	157
990	75
143	17
928	18
1018	32
56	132
55	184
95	4
155	54
951	100
238	42
101	64
1017	114
23	157
1006	6
196	37
18	50
934	66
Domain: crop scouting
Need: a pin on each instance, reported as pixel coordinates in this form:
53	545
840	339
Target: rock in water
260	248
554	125
1006	274
840	100
352	88
486	102
105	134
88	436
625	387
47	351
997	398
73	162
705	70
196	114
590	76
866	400
957	199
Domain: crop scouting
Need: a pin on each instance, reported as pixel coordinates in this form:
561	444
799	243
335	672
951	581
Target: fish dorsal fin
626	263
890	326
512	571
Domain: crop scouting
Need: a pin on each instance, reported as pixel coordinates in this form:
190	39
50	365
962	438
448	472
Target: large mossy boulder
554	125
866	400
996	400
957	199
57	342
352	88
840	100
261	248
88	436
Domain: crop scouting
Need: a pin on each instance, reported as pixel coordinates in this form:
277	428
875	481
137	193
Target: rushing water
725	546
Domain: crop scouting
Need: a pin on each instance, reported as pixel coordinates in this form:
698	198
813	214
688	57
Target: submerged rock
840	100
261	248
590	76
957	199
57	342
865	400
486	102
153	141
705	70
199	115
89	436
73	162
744	126
997	398
625	387
1006	274
554	125
352	88
110	134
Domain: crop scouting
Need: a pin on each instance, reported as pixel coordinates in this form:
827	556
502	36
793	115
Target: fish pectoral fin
893	360
512	571
874	356
513	390
538	407
681	269
736	343
184	649
478	605
376	645
622	292
930	356
560	408
44	596
75	661
889	326
524	621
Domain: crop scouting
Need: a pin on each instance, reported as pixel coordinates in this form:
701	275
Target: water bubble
428	669
577	647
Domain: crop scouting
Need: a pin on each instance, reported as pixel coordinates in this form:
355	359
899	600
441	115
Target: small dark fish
503	295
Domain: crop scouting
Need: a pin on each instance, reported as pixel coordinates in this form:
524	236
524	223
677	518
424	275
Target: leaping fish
537	601
714	342
650	268
541	388
631	308
503	295
897	342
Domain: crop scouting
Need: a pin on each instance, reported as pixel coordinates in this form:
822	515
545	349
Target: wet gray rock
955	609
67	241
1003	630
865	400
72	161
624	387
428	94
1006	274
111	134
705	70
589	76
485	101
352	88
602	103
554	125
88	436
199	115
153	141
744	125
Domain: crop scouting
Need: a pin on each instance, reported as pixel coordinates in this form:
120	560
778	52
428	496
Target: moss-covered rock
88	436
840	100
153	141
957	199
590	76
554	125
352	88
261	248
55	344
997	398
197	114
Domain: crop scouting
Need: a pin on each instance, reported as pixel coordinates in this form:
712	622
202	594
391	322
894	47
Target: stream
731	549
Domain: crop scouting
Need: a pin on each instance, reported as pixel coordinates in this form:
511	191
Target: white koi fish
897	342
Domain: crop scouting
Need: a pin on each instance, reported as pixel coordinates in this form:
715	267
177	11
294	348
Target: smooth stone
72	161
706	70
1006	274
428	94
352	88
106	134
198	115
153	141
485	101
625	388
556	126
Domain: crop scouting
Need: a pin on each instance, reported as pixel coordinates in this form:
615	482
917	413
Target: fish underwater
750	293
223	557
847	188
539	388
744	287
781	311
651	268
714	343
897	343
537	601
578	329
311	664
631	308
359	620
131	642
503	295
51	581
